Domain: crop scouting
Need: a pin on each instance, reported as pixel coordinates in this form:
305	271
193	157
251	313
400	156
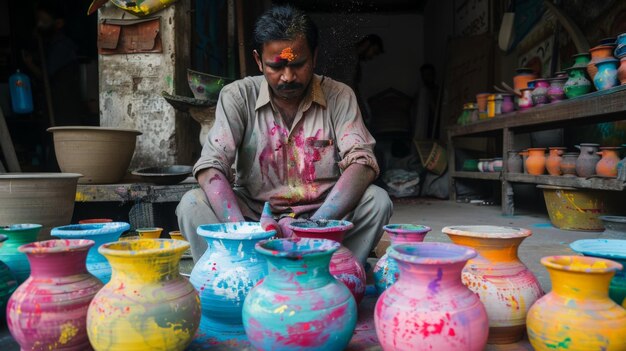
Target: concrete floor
546	240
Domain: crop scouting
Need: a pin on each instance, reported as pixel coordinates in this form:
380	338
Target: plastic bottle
21	93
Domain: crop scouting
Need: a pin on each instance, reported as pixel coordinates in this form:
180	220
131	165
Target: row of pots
558	162
483	165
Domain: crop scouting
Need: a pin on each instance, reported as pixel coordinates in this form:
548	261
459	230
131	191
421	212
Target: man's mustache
289	86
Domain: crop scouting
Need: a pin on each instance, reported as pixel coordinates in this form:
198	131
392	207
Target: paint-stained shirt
293	168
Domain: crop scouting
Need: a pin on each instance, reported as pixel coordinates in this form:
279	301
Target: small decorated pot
540	93
577	83
555	91
606	78
525	101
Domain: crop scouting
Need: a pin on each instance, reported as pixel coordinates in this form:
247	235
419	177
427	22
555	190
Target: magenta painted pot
429	308
343	265
508	105
386	270
49	310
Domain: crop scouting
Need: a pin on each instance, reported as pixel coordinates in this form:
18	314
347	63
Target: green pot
577	82
470	165
18	235
8	283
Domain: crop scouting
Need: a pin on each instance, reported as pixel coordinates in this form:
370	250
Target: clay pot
514	162
44	198
621	72
598	53
481	101
497	164
553	162
555	91
578	312
18	235
607	166
587	160
483	164
491	105
504	284
48	311
343	265
540	93
606	77
526	100
100	233
147	304
574	208
508	105
429	308
226	273
581	60
95	220
577	83
299	305
101	155
524	155
386	270
522	77
568	164
177	235
536	161
609	249
8	284
149	233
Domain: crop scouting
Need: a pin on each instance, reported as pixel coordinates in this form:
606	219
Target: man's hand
220	195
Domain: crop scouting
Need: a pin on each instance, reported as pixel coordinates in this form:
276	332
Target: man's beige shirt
293	168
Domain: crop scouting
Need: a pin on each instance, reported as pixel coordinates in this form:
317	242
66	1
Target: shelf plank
575	182
133	192
477	175
599	106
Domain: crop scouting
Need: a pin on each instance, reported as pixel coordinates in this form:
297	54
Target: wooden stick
7	147
240	39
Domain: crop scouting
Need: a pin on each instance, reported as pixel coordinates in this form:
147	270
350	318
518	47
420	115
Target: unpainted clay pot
536	161
553	162
607	166
587	160
514	162
568	164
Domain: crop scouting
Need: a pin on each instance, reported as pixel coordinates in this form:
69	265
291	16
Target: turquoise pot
18	235
8	284
611	249
606	78
226	272
100	233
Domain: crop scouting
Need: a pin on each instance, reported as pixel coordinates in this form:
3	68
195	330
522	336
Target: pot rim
40	175
15	228
332	226
553	262
606	60
229	231
89	229
407	228
203	74
265	247
121	248
536	149
601	47
582	54
60	245
431	253
613	219
487	231
610	148
603	248
92	129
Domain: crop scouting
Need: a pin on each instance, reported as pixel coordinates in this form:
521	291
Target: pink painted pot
503	283
429	308
49	310
343	265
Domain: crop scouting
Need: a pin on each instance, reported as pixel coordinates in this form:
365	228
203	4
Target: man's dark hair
374	40
427	67
284	23
52	7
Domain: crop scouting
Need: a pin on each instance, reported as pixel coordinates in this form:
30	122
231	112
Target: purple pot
540	93
555	91
507	103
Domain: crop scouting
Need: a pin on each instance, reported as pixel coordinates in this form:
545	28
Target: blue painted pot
8	284
386	271
611	249
18	235
299	305
606	78
226	272
100	233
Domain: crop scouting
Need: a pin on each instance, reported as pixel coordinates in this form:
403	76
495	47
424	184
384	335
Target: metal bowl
167	175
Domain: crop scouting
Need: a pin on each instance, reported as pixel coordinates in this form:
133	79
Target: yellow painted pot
578	315
575	209
147	305
149	233
176	235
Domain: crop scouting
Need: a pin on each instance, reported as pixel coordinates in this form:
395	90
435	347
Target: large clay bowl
167	175
101	155
44	198
205	86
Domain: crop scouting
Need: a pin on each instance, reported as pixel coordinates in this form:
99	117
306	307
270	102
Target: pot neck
406	238
336	235
145	268
232	247
57	264
579	285
431	278
491	249
298	273
18	238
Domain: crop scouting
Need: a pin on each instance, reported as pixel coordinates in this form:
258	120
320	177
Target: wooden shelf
477	175
596	107
134	192
575	182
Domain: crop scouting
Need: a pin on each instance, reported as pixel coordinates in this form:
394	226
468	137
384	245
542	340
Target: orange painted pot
481	101
598	53
577	315
536	161
607	166
523	76
504	284
553	162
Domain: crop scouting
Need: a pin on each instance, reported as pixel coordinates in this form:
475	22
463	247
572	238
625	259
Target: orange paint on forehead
286	54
